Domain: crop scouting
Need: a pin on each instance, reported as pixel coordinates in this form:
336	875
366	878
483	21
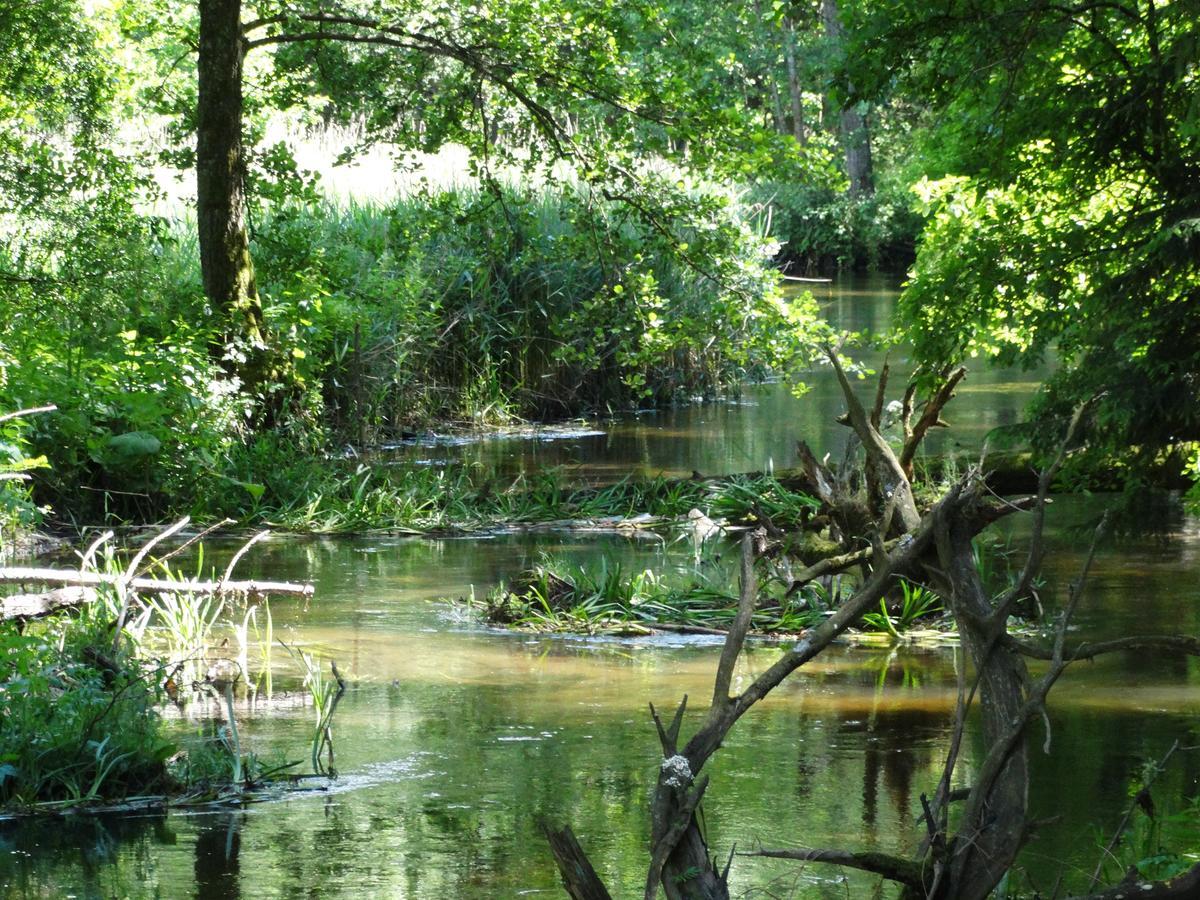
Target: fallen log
35	606
18	575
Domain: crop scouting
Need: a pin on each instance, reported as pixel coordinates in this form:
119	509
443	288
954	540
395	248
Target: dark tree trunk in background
799	131
852	124
226	268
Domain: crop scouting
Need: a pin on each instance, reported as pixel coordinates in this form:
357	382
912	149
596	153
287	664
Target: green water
758	430
454	740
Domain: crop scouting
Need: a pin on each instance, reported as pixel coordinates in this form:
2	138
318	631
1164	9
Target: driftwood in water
992	827
79	585
17	575
34	606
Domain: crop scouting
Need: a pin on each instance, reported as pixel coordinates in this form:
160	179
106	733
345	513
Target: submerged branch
893	868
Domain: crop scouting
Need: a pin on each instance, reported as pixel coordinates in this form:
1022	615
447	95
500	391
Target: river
454	740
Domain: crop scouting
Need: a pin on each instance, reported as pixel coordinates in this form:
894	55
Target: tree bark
799	131
578	877
226	268
993	825
852	124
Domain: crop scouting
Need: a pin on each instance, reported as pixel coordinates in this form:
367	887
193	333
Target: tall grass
458	303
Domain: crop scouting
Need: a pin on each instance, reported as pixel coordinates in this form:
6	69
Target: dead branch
1033	562
831	565
741	624
32	411
893	868
122	584
885	476
931	417
237	557
190	542
578	876
880	396
22	607
1177	643
19	575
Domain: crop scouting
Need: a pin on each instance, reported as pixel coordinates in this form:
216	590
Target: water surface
455	740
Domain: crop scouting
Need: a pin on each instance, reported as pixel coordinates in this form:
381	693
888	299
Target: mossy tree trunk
227	270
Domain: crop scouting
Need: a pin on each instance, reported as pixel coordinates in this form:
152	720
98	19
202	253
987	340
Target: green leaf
134	445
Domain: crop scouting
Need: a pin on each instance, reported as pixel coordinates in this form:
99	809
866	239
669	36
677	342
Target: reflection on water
454	741
760	429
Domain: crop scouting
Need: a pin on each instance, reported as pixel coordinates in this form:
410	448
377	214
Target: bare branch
880	396
131	571
578	875
1177	643
910	548
893	868
190	542
18	575
122	584
931	417
1033	562
737	631
33	410
237	557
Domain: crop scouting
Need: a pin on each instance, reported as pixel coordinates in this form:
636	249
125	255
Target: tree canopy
1063	179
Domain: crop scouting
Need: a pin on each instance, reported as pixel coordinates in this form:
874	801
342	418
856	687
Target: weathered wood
888	486
893	868
578	876
21	607
19	575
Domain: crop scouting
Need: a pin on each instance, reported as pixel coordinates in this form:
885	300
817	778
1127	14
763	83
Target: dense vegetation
195	320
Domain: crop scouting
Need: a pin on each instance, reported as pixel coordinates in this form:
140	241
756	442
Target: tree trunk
770	77
226	268
993	824
856	140
852	124
799	132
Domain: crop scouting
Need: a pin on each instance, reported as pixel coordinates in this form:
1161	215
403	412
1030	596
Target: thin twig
238	556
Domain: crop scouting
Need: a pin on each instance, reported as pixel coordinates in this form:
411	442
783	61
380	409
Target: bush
826	230
468	305
453	304
72	729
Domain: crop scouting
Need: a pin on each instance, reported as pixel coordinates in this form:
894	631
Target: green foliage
822	229
478	306
551	597
18	514
1159	840
1064	188
72	730
916	603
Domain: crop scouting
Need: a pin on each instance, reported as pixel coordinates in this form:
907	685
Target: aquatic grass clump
321	495
605	599
916	605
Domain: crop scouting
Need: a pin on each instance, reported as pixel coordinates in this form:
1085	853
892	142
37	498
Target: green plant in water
553	597
325	693
916	603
